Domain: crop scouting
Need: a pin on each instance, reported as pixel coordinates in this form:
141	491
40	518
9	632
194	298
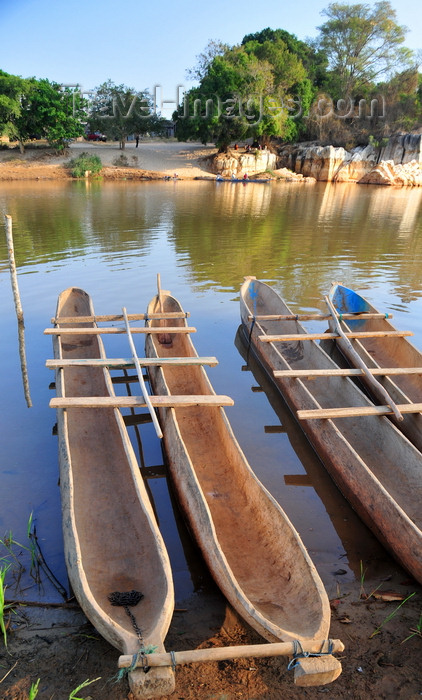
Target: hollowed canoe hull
253	551
111	538
377	469
383	352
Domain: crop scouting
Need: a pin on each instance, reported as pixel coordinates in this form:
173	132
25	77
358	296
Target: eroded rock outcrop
399	162
289	176
328	163
389	173
402	148
356	165
310	160
240	163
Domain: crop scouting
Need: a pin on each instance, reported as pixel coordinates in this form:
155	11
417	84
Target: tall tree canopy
314	59
363	43
257	89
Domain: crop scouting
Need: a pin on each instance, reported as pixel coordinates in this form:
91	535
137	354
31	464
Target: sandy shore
153	158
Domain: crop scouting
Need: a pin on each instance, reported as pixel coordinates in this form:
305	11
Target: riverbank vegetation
84	163
356	80
354	83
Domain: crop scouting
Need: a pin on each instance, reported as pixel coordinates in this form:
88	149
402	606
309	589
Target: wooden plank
356	411
113	330
114	363
234	652
297	480
316	317
346	372
357	361
118	317
158	472
129	379
332	336
139	401
137	419
126	362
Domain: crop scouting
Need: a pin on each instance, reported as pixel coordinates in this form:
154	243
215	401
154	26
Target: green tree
53	111
363	43
119	111
13	90
249	91
314	59
30	107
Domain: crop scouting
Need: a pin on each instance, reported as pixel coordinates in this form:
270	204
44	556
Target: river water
112	239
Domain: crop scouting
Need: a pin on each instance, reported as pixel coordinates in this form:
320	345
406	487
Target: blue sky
143	44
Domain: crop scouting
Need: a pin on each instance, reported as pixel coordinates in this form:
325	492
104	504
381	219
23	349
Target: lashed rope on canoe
299	653
141	654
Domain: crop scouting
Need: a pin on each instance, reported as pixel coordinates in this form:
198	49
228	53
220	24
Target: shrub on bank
84	163
121	161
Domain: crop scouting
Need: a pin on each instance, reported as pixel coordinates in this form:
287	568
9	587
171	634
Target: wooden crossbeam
234	652
355	411
158	472
128	379
297	480
137	419
315	317
119	317
139	401
332	336
111	329
126	362
346	372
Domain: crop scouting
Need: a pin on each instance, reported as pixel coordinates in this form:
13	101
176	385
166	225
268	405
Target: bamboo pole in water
18	308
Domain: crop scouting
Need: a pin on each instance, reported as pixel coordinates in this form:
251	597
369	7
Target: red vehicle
96	136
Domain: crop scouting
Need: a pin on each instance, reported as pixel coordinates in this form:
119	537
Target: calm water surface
111	240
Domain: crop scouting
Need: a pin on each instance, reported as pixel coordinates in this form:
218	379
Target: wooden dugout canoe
389	352
252	550
111	538
377	469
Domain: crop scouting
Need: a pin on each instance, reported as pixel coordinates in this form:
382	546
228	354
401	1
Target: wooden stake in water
18	307
12	265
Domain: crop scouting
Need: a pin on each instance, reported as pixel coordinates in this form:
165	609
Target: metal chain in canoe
127	600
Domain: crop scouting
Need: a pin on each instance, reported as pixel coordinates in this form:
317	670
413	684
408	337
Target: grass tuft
73	695
389	617
33	691
416	632
3	571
